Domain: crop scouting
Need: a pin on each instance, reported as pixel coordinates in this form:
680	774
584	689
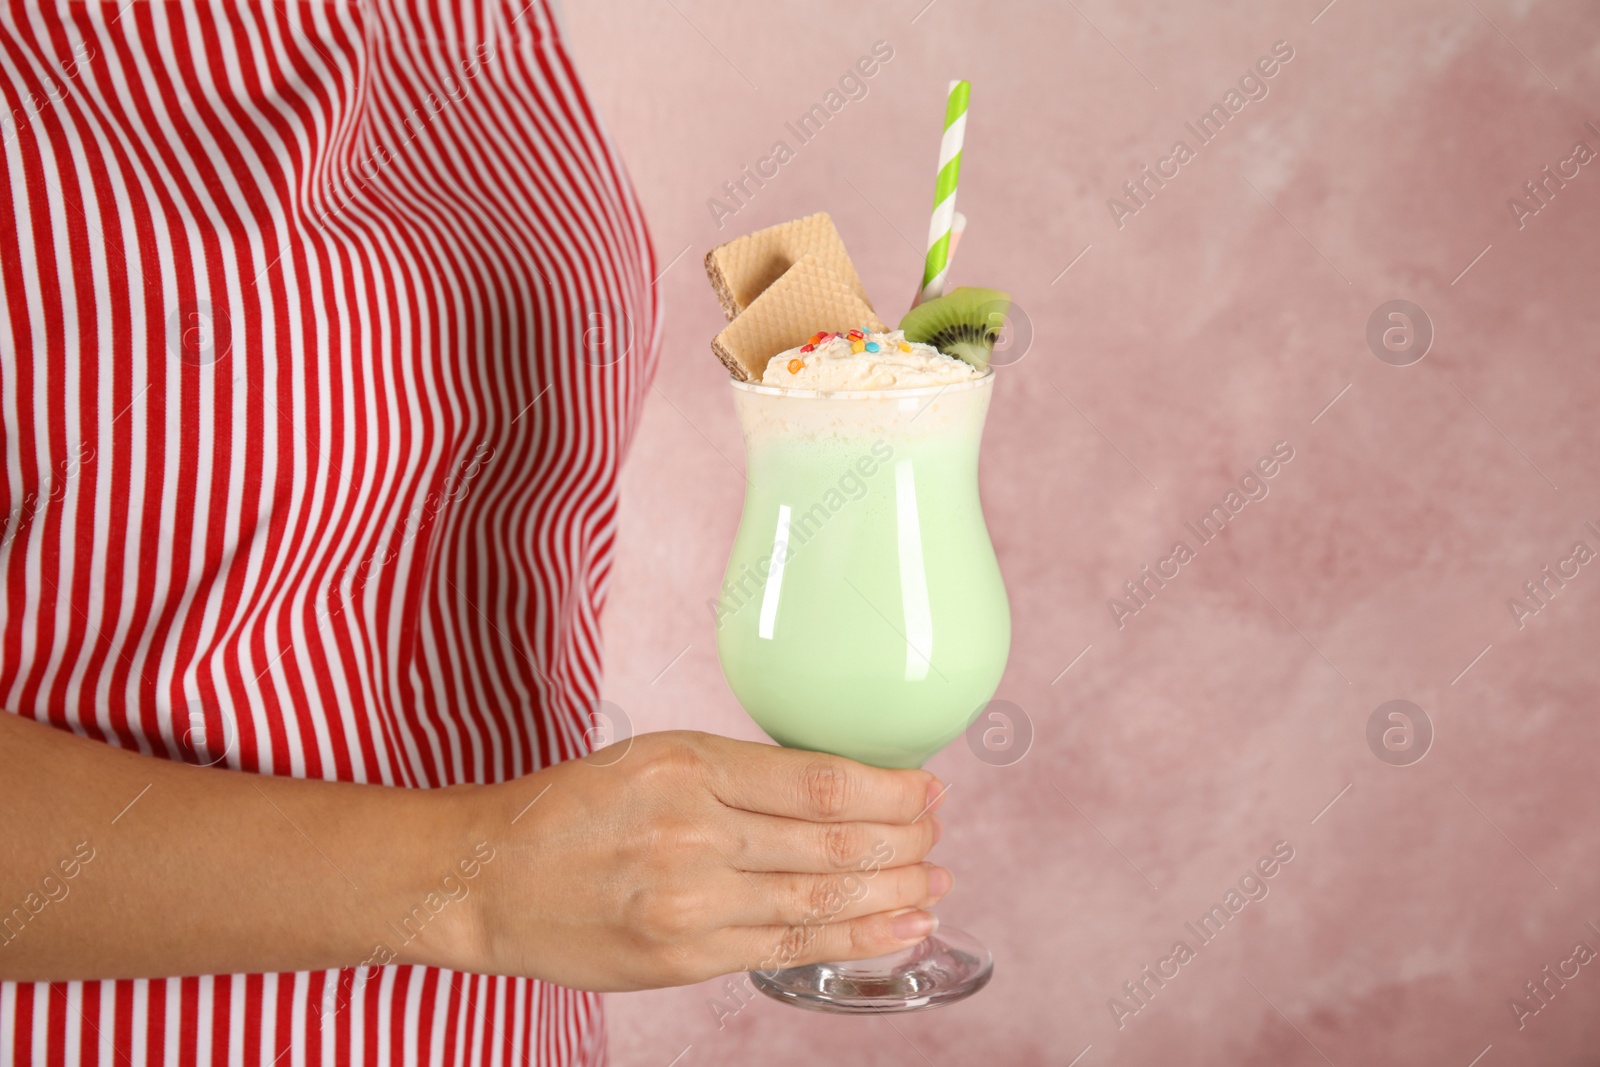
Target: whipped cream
835	365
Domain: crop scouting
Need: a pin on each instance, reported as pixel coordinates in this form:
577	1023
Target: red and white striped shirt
324	327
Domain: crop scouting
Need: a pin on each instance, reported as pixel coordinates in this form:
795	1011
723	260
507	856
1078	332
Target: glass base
940	970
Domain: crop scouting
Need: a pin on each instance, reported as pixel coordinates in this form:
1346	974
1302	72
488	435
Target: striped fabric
323	329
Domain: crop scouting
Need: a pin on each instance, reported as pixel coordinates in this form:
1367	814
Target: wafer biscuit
806	298
743	268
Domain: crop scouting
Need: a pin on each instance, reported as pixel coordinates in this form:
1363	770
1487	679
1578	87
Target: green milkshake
863	612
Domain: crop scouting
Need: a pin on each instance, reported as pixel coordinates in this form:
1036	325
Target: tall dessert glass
863	614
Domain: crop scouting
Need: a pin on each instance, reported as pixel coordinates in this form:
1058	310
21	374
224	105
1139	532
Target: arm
686	857
203	871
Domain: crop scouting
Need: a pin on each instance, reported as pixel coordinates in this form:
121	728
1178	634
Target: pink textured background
1211	326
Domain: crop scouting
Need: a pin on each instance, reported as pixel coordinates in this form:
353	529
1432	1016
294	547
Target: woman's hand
680	856
673	858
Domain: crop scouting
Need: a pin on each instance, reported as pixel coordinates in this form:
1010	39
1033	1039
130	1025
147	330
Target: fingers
775	947
810	899
821	788
768	843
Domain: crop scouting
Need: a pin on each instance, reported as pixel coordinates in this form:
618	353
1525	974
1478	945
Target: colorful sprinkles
856	338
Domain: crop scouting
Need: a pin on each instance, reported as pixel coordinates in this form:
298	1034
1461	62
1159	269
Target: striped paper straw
937	266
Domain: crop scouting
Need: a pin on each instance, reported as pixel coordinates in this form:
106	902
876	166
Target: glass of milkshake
863	611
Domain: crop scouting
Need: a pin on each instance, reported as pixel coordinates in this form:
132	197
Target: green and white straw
937	265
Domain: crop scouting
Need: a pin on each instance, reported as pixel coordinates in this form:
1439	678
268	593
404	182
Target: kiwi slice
963	323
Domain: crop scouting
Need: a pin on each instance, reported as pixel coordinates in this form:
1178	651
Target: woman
325	330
